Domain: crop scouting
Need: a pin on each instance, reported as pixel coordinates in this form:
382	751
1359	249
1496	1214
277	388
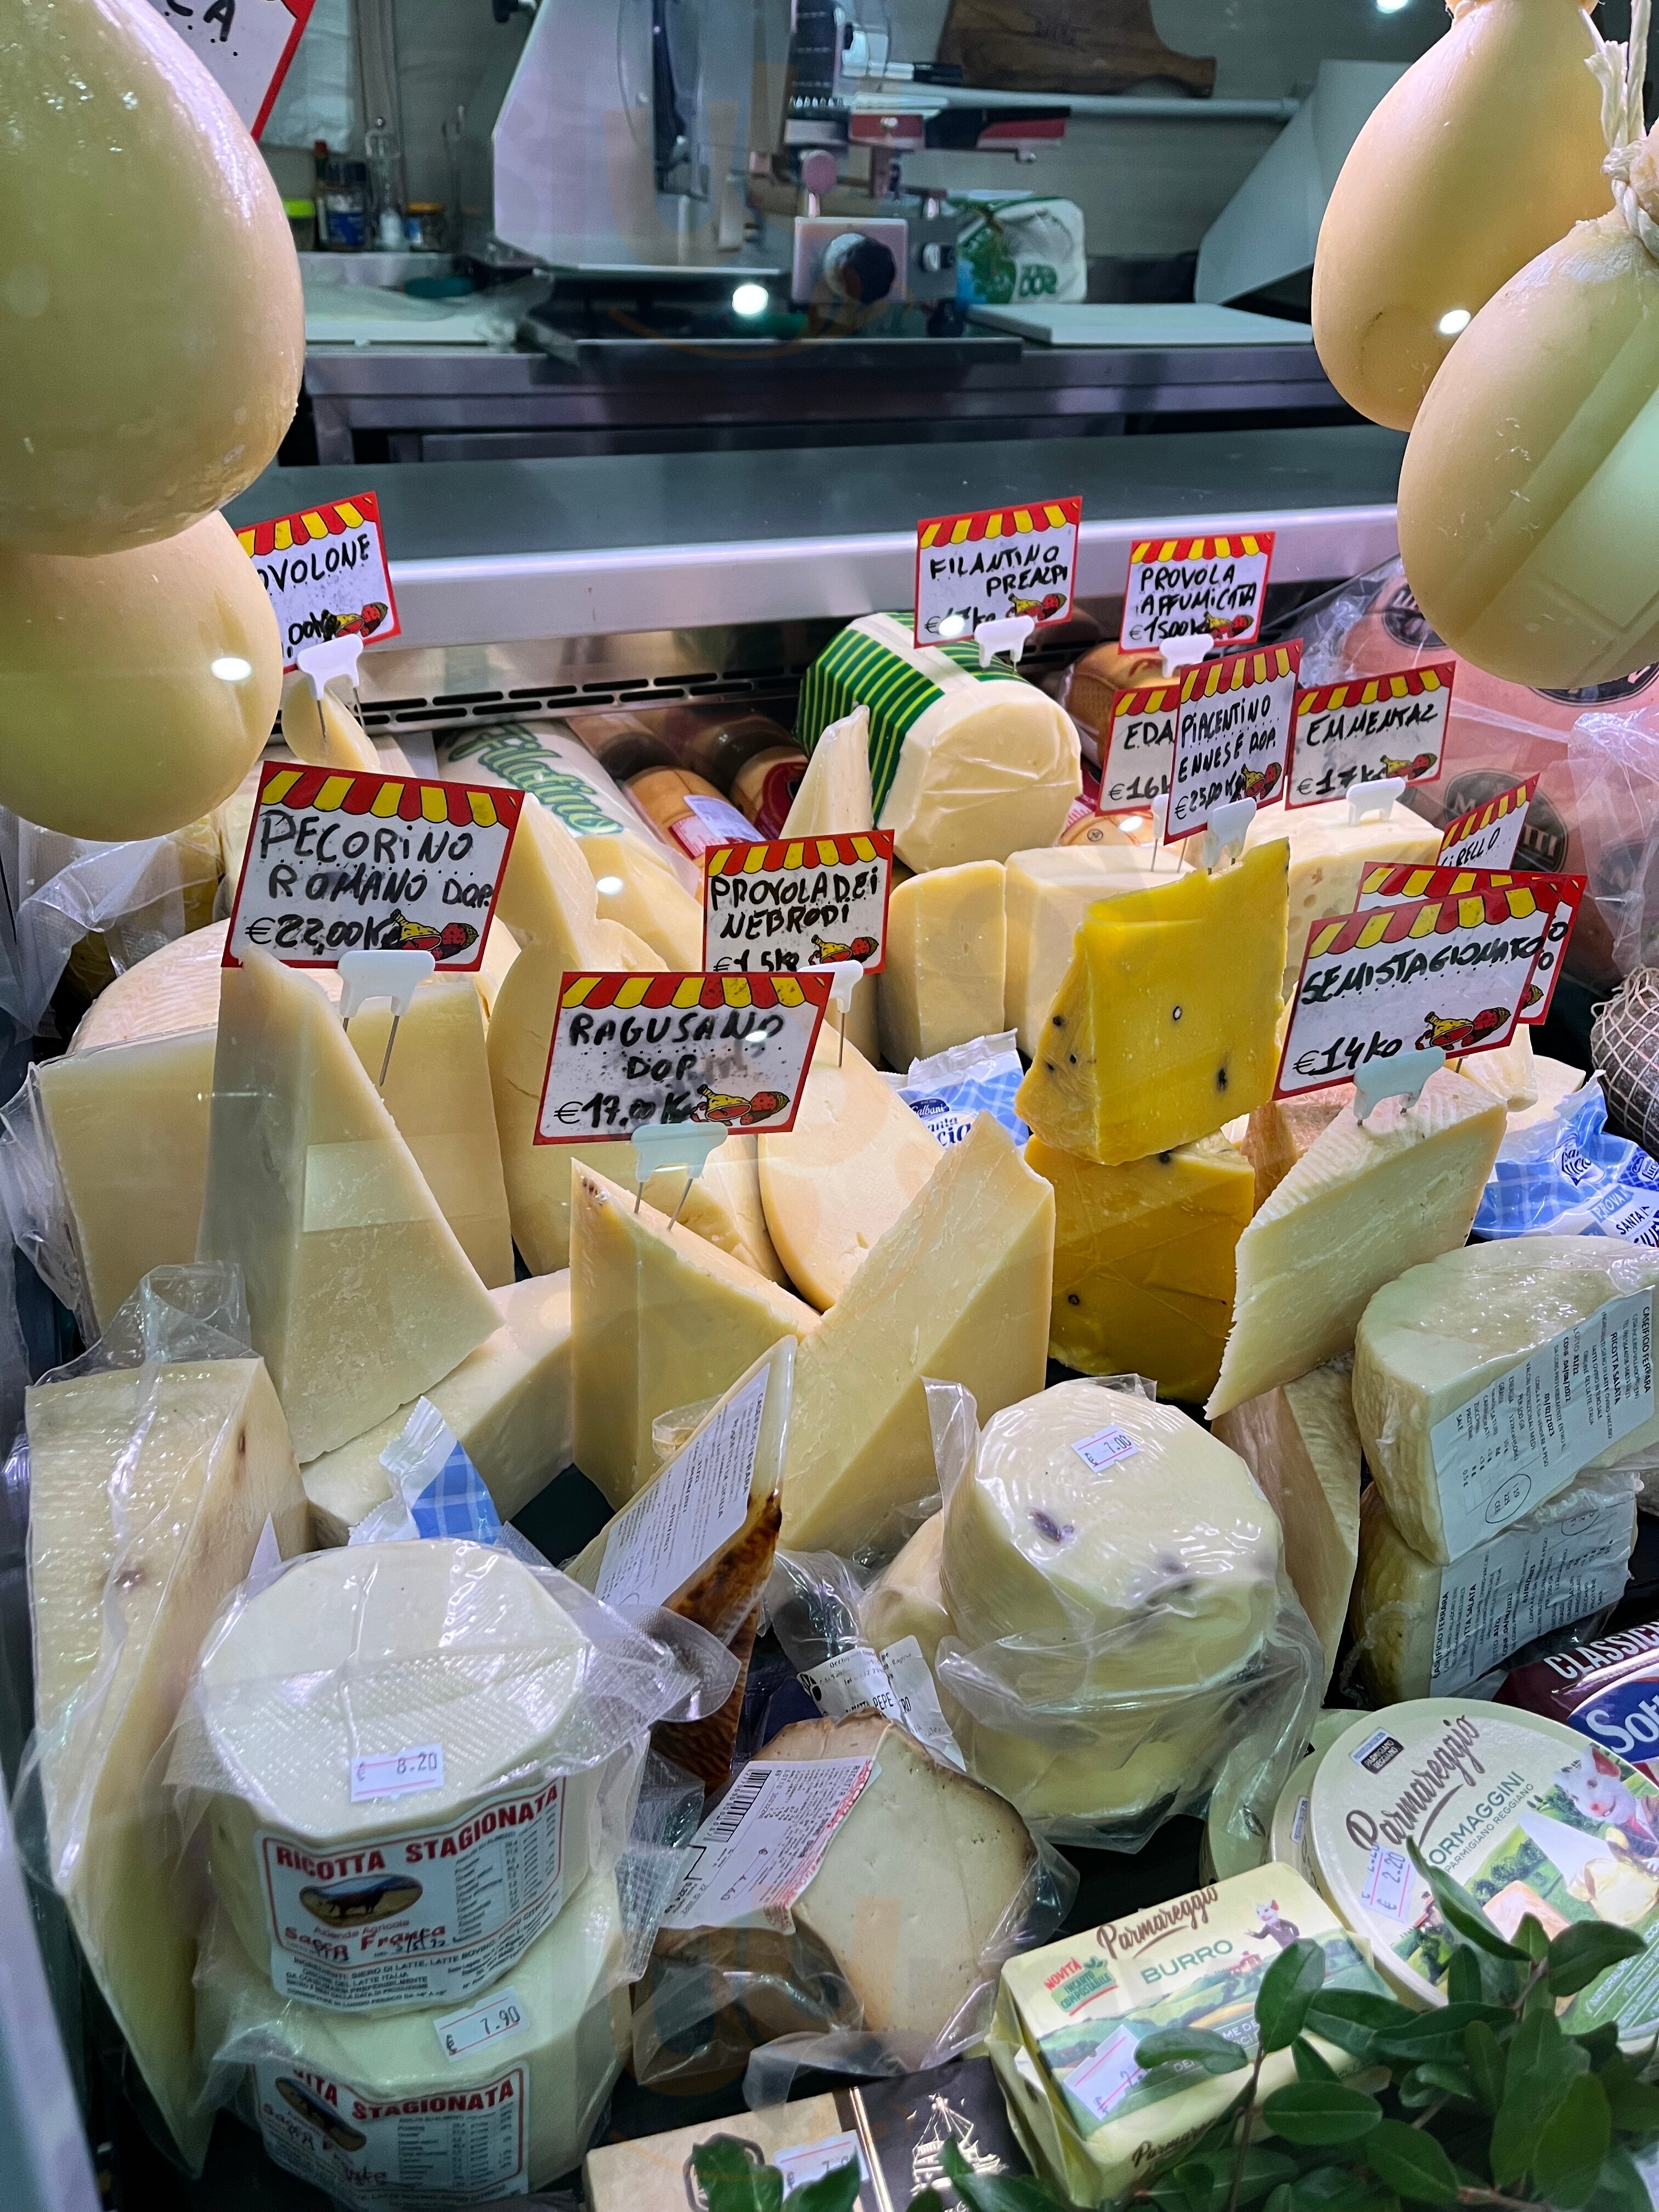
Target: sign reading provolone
325	570
631	1050
1232	736
1388	882
343	860
1140	742
1180	584
992	562
245	46
1486	835
799	902
1368	730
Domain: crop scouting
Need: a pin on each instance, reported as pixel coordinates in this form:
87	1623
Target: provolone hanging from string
1483	154
1526	519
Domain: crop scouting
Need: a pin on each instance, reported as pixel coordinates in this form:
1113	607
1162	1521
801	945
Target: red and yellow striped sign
1405	683
1424	918
331	518
1483	816
389	798
800	853
1234	548
1261	665
1150	699
683	992
998	522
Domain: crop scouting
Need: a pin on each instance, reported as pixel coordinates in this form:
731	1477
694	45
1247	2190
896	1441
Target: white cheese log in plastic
1433	1344
907	1600
1328	851
943	983
957	1290
359	1295
508	1404
455	1659
1300	1443
150	1488
1046	894
1365	1201
660	1319
1423	1630
835	1185
370	2109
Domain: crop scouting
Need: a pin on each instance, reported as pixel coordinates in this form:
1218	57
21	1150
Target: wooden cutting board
1066	45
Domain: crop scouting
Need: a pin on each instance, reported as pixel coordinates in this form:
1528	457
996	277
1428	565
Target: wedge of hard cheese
1046	894
192	1458
324	733
508	1403
1509	1073
1327	854
836	1183
1365	1201
907	1600
1276	1135
659	1319
1455	1458
947	944
834	799
359	1294
956	1291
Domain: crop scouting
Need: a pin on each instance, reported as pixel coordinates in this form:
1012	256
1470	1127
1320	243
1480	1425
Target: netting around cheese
1624	1047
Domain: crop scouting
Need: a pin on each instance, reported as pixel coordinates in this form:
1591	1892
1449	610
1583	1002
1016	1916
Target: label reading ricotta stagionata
699	1500
460	2145
1524	1436
765	1840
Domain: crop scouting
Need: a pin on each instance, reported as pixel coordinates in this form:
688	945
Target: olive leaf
1288	1989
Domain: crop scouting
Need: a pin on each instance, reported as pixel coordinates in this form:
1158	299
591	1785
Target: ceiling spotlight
1454	320
750	300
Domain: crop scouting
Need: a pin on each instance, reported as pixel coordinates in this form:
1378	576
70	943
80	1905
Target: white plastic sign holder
1224	838
336	656
688	1145
1403	1076
393	975
846	976
1365	799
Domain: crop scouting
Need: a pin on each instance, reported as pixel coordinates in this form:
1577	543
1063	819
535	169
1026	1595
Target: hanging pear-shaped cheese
152	326
137	689
1485	152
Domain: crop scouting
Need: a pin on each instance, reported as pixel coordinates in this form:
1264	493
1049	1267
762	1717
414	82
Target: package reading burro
1607	1690
462	2148
1392	882
798	903
1486	836
1140	748
630	1050
325	572
1232	734
1450	972
1069	2018
1369	730
761	1846
343	861
993	563
1180	584
1525	1813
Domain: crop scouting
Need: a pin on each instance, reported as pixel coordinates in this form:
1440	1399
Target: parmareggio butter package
1069	2018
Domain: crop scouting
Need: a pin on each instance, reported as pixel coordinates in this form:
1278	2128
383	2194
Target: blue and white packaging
1569	1176
949	1090
436	1489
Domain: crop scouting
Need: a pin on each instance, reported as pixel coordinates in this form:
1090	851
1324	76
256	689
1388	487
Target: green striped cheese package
966	763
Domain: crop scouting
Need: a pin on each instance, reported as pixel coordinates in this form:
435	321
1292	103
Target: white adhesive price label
1102	2082
912	1682
763	1843
1388	1883
1105	1449
460	2145
1179	585
897	1683
398	1773
809	2162
680	1521
459	2034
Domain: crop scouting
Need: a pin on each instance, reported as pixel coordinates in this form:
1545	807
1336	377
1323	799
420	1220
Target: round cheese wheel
136	690
152	325
1485	152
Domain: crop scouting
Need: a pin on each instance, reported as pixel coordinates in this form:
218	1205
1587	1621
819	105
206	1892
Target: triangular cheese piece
641	892
194	1457
324	733
659	1319
1276	1135
359	1296
834	798
957	1290
838	1180
1364	1202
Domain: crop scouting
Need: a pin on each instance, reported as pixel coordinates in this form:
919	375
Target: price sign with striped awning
1369	728
798	903
1232	734
1179	586
325	574
992	562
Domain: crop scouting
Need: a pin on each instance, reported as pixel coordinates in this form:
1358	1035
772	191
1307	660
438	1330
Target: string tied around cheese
1631	166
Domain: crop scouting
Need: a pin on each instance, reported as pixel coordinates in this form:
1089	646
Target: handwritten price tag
1488	836
398	1773
1140	742
340	860
324	571
1232	735
500	2013
1452	972
245	46
995	561
1388	882
1180	584
631	1050
1361	731
810	903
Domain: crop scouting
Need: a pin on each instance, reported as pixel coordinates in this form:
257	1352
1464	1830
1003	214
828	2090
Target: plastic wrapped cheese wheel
136	690
1485	152
152	326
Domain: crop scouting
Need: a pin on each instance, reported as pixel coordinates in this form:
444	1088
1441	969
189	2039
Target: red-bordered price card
798	903
1232	736
1488	835
995	562
1362	730
325	572
340	860
1140	742
1385	883
630	1050
245	46
1180	584
1452	972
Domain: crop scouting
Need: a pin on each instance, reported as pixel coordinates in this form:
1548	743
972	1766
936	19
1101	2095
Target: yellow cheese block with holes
1045	895
943	982
1164	1027
1143	1261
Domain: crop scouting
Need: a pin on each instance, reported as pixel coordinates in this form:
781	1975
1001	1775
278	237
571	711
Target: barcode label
744	1796
757	1851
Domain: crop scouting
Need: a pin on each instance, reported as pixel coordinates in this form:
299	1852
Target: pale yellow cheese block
907	1599
834	798
641	892
659	1319
839	1180
1300	1443
1364	1203
943	982
958	1291
1508	1072
1327	854
198	1455
324	733
508	1403
1046	894
359	1294
1556	1083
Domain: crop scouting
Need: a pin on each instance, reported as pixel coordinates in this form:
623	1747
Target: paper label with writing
678	1523
1232	734
1367	729
1105	1449
425	1917
1391	883
631	1051
992	562
1388	1884
1524	1584
397	1773
766	1839
461	2146
897	1683
245	46
1486	835
1179	585
812	2161
325	572
1106	2080
1521	1439
806	902
1451	972
1139	749
919	1708
710	822
461	2034
344	860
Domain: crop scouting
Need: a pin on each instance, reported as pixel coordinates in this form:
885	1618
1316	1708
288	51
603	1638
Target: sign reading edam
994	562
1369	728
1178	585
324	571
798	903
